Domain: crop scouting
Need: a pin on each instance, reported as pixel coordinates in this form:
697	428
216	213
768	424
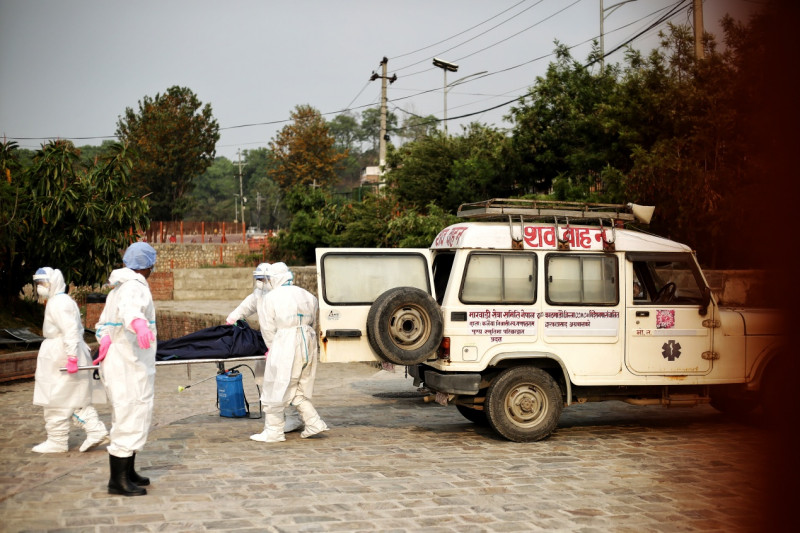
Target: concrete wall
229	283
178	256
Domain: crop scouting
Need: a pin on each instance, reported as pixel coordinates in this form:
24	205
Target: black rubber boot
119	483
133	476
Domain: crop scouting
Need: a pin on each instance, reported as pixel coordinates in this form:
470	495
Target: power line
471	38
676	8
359	94
468	29
672	11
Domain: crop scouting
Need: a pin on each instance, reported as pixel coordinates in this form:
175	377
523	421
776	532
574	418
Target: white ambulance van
528	307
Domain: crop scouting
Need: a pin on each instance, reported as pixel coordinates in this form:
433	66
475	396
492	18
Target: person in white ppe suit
127	357
249	306
288	317
67	395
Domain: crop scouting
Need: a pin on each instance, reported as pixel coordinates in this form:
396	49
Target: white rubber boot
311	419
50	446
273	429
293	421
96	432
56	423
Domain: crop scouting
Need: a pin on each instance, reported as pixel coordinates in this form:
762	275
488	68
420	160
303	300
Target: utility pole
698	29
241	195
383	136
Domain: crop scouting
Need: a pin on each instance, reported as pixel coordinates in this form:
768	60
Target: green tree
313	216
562	127
174	137
74	215
365	224
348	138
346	132
304	152
92	153
211	198
371	126
448	171
693	171
415	127
413	229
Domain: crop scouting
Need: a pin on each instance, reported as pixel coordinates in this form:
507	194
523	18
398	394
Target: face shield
260	277
41	283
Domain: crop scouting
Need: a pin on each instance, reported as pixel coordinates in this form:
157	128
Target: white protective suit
249	306
61	393
128	371
288	317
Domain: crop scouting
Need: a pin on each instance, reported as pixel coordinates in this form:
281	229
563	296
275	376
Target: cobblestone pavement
390	462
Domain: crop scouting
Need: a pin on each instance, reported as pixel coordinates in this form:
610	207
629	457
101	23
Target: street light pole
458	81
445	66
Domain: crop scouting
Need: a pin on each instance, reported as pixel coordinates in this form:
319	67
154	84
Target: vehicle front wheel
523	404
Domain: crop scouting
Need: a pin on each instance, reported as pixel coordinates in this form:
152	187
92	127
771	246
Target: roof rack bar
501	208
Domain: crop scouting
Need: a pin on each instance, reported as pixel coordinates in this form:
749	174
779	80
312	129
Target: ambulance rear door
348	282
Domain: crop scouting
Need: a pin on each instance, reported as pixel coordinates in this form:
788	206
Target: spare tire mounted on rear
404	326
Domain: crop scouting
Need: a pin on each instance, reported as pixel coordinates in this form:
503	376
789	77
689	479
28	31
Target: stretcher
222	368
219	362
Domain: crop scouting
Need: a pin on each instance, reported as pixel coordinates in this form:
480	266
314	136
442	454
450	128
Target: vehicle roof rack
574	212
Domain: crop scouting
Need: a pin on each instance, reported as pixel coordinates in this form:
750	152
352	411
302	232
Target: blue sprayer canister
230	394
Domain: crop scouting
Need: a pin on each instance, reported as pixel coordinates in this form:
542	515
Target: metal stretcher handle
184	362
92	367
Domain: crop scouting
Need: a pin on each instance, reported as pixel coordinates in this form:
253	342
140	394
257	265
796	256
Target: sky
70	68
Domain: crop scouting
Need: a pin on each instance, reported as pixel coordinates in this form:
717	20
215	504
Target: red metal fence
204	232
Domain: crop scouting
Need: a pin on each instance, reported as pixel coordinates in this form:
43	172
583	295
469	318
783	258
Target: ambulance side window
668	278
500	278
575	279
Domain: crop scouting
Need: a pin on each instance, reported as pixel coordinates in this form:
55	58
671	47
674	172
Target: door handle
642	313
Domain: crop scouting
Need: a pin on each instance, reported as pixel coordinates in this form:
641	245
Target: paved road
390	462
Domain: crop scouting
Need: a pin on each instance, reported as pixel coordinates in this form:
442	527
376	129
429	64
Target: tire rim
526	405
409	327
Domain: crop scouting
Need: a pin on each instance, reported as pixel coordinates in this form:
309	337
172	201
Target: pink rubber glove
72	364
143	333
105	342
266	354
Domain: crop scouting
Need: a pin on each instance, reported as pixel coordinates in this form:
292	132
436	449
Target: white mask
43	292
260	284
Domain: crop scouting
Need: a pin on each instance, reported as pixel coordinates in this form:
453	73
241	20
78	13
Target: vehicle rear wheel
473	415
404	326
523	404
